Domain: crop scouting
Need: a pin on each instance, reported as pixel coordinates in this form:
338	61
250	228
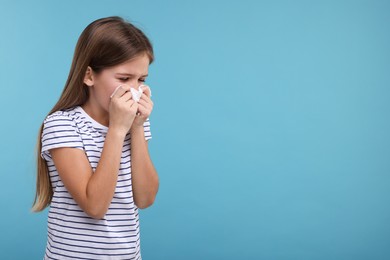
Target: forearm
102	184
144	176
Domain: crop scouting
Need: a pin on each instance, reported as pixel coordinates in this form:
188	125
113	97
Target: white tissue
136	94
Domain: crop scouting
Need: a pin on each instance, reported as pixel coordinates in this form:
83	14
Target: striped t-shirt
72	234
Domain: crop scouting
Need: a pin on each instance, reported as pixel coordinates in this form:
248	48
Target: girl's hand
145	107
122	110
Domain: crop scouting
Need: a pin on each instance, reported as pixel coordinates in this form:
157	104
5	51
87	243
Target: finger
144	103
146	90
146	99
126	97
145	111
131	102
118	92
134	106
142	100
126	87
147	102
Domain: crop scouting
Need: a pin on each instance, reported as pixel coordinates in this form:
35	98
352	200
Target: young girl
94	169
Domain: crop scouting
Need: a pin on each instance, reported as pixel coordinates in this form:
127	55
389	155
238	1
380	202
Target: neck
96	112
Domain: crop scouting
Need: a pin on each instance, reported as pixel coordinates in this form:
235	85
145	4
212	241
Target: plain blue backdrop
271	131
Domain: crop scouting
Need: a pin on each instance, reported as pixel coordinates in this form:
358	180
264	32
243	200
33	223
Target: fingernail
113	93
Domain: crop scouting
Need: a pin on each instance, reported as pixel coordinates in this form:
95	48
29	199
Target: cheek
109	90
103	93
106	95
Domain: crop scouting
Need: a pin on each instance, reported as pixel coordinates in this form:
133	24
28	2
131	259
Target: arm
144	176
93	192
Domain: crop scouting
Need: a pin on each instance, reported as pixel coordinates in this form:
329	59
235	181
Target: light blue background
270	125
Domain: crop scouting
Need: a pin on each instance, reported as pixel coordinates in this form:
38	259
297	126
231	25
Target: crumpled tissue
136	93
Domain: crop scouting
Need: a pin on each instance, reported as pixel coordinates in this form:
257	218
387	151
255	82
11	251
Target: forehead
136	66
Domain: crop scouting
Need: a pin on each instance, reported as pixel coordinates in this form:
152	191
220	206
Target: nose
134	83
129	85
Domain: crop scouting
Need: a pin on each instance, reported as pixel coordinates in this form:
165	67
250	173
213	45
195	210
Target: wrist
137	123
117	132
136	129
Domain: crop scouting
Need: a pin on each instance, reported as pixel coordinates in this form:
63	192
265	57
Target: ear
88	78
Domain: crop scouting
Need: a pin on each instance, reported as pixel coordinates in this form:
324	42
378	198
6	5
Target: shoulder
65	115
62	121
60	129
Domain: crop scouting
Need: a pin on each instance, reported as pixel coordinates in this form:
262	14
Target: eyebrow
129	74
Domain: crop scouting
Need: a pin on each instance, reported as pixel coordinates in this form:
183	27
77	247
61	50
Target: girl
94	169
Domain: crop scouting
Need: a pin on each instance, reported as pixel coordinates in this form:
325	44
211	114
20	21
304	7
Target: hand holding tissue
136	93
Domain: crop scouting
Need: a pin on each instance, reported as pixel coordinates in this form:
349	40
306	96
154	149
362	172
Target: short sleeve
148	134
59	131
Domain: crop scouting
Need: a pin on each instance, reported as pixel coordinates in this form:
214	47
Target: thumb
146	89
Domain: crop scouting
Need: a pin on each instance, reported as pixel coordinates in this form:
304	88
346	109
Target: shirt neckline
95	123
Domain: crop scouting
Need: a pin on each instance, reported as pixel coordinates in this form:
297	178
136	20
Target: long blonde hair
104	43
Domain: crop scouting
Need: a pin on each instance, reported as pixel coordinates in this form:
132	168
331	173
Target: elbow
145	203
96	216
96	213
148	199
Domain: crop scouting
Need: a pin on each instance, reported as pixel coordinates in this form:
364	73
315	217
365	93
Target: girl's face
130	74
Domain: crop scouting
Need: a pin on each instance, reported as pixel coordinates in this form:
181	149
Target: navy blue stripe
123	175
66	203
58	197
56	132
124	186
103	219
124	162
72	216
61	191
94	157
73	257
86	235
94	151
117	214
94	230
122	180
91	247
120	192
89	241
92	224
86	253
58	118
119	220
117	196
61	137
75	210
65	142
127	150
123	203
50	257
47	127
